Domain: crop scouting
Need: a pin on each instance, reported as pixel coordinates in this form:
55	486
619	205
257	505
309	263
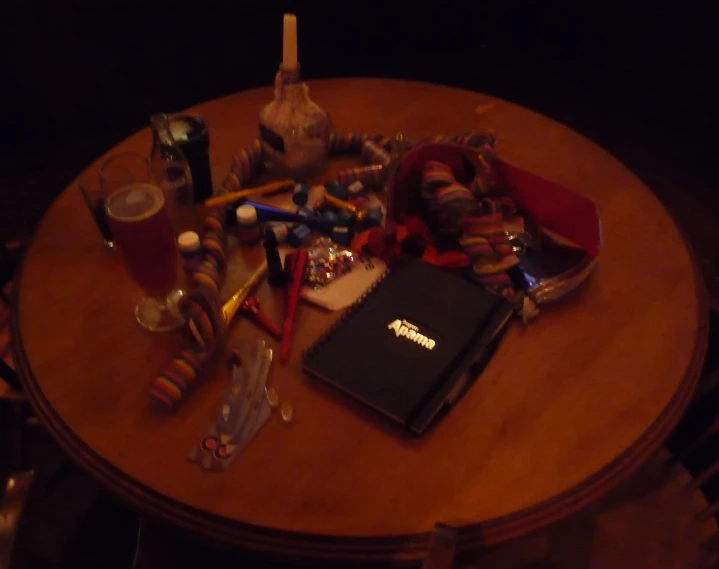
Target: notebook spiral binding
309	352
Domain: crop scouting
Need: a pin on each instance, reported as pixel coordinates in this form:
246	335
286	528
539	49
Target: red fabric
551	205
557	208
386	246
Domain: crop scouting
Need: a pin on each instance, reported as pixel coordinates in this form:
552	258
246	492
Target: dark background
79	75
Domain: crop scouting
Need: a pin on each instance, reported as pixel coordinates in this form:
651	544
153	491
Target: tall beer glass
141	228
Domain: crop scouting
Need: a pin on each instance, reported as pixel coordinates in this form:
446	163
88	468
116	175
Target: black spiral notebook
412	344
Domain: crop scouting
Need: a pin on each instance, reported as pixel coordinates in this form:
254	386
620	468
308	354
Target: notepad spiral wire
309	352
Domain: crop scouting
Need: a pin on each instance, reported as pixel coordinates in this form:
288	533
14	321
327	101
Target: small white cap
246	214
188	241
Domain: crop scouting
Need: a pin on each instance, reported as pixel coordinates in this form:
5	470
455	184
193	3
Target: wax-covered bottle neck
289	87
289	76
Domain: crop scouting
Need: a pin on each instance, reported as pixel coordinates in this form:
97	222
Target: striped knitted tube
439	185
374	154
370	176
201	307
244	166
208	273
482	234
485	140
384	143
169	387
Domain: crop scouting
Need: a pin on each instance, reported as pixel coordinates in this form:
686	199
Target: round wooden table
568	407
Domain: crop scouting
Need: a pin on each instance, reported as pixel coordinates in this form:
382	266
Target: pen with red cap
251	308
295	265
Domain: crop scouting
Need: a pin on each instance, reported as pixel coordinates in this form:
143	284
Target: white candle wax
289	42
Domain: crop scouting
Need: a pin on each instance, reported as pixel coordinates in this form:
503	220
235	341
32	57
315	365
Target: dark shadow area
80	75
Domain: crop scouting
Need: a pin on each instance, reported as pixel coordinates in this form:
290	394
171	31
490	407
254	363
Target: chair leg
18	457
153	548
12	502
441	549
137	554
9	375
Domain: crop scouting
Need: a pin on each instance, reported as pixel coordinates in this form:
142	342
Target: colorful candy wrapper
327	262
243	411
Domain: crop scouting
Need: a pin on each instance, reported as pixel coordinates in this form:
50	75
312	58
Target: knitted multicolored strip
486	140
438	181
214	240
374	154
245	163
369	175
170	386
204	314
249	158
483	237
201	307
385	143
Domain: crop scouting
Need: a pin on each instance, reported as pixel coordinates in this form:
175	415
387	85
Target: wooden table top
567	408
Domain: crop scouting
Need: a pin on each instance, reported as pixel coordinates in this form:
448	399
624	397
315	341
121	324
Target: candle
289	43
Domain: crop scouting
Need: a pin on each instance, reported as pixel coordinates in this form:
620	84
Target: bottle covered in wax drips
171	172
294	130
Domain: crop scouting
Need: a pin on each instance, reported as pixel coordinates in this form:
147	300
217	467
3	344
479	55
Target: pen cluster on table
343	211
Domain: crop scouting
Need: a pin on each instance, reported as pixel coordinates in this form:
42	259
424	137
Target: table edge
266	540
400	548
